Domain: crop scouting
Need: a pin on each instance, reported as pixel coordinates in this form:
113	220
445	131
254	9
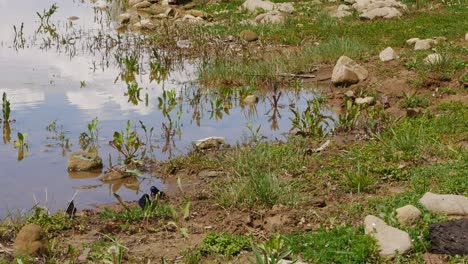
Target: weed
225	244
59	137
50	222
359	179
339	245
272	251
310	122
255	135
82	84
348	120
127	143
22	145
5	108
91	137
133	92
412	101
152	211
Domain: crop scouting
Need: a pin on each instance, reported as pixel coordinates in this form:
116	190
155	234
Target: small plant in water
133	93
127	143
348	120
22	145
272	251
5	108
310	122
91	137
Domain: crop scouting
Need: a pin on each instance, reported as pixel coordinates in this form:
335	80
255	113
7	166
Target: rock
142	5
84	255
382	12
434	58
412	41
209	143
84	161
387	54
156	9
192	19
466	36
349	94
250	99
408	215
134	2
147	24
340	13
113	175
253	5
413	112
31	240
272	17
318	202
285	7
364	100
449	238
445	203
423	44
390	240
248	35
124	18
184	44
197	13
347	71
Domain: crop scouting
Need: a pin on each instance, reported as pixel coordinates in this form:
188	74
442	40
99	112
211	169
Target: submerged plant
5	108
133	92
127	143
91	137
22	145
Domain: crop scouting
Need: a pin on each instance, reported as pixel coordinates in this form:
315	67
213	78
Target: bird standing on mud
145	200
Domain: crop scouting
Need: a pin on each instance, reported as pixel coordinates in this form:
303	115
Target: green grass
224	244
56	222
337	245
155	210
412	101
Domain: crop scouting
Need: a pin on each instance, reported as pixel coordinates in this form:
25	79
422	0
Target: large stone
391	240
253	5
248	35
412	41
387	54
445	203
340	13
285	7
347	71
423	44
250	99
31	240
84	161
210	143
434	58
408	215
272	17
381	12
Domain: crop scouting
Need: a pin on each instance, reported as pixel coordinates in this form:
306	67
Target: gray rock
434	58
381	12
408	215
423	44
248	35
272	17
387	54
466	36
142	5
210	143
147	24
445	203
285	7
364	100
31	240
340	13
349	94
390	240
253	5
84	161
347	71
412	41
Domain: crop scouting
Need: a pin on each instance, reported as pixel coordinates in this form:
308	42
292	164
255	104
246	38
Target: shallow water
77	78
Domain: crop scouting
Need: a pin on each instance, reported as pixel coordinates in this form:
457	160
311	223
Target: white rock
423	44
350	1
364	100
391	240
433	59
250	99
211	142
253	5
285	7
387	54
272	17
445	203
347	71
412	41
383	12
343	8
408	215
466	36
184	44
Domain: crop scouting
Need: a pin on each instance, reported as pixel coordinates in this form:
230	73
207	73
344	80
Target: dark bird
155	192
71	209
144	201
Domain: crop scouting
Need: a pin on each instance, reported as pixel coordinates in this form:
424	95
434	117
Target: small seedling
5	108
127	143
272	251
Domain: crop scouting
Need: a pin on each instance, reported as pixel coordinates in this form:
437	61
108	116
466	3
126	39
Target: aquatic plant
58	136
46	14
133	93
348	120
5	108
21	144
311	121
91	137
127	143
19	41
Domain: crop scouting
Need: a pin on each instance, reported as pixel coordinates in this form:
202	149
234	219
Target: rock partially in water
31	240
347	71
250	99
113	175
248	35
387	54
449	238
434	58
210	143
84	161
448	204
408	215
391	240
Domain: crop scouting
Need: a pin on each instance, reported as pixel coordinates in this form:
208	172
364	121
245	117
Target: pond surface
61	74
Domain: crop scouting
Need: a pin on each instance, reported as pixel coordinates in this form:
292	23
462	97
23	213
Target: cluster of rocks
274	13
393	241
424	44
145	14
370	9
